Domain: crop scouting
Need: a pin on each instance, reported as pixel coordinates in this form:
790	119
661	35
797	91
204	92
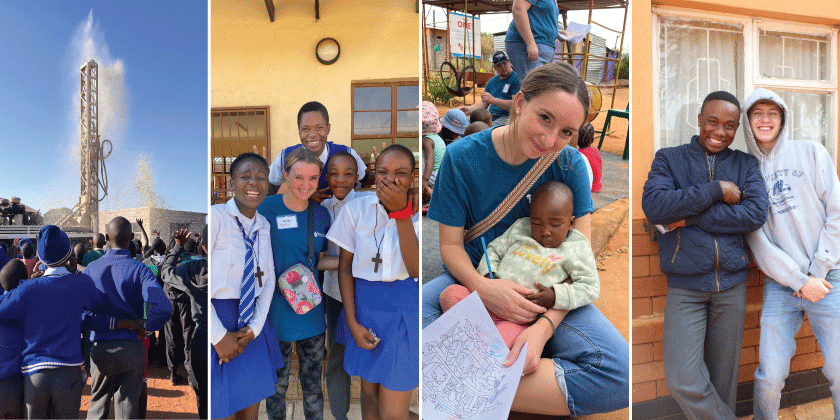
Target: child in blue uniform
11	347
378	266
246	355
50	308
341	178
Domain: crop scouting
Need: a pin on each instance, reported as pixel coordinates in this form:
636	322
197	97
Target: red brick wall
649	291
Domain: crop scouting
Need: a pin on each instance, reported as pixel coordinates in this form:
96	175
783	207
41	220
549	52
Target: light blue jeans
781	317
591	358
518	54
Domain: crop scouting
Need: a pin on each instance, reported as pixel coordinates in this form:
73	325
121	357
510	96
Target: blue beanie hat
53	246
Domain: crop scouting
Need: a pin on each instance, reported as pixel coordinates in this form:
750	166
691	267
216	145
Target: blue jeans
781	317
591	358
518	54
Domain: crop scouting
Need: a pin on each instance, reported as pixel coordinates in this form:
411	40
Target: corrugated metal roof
503	6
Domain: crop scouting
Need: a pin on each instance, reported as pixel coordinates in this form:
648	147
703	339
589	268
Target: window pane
696	58
793	56
371	98
370	123
408	97
364	147
218	165
412	144
809	116
408	121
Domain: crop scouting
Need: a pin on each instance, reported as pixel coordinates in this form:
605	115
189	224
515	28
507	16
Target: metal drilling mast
89	137
85	215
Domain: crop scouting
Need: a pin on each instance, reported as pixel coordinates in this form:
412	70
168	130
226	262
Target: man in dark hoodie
704	197
798	249
191	279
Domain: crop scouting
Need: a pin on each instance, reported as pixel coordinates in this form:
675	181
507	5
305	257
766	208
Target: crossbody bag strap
311	224
515	195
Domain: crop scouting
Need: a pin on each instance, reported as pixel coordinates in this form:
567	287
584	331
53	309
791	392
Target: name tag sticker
287	222
506	88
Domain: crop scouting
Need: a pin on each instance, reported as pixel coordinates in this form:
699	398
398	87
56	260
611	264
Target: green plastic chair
620	114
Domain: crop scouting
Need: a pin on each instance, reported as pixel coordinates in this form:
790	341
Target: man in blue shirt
498	94
118	357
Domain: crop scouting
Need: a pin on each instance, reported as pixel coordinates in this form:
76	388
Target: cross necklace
377	259
259	274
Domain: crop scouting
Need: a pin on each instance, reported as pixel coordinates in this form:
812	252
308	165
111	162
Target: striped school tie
247	292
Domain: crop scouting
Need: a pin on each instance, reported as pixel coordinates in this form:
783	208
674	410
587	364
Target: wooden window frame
394	84
218	180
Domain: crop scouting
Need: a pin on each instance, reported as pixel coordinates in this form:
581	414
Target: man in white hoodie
798	249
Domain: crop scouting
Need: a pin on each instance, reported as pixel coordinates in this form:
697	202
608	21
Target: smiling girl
246	354
377	273
289	215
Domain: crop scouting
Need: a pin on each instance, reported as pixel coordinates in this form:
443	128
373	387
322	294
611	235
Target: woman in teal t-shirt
530	37
581	366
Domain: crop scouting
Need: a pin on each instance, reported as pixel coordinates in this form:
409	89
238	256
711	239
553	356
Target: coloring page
463	376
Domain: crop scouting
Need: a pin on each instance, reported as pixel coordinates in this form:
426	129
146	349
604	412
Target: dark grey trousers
54	393
701	345
116	371
337	379
11	398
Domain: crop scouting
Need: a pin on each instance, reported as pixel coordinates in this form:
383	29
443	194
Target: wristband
401	214
553	328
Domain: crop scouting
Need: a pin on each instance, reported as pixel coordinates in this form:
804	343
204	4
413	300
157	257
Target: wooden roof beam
269	5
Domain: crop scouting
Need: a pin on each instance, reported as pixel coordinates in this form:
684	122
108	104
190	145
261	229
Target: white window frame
752	76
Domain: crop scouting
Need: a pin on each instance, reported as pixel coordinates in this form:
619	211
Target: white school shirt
334	206
227	262
275	170
353	230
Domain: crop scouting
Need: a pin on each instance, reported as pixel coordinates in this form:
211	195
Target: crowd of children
53	294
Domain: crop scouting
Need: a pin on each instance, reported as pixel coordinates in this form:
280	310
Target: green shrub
624	67
436	89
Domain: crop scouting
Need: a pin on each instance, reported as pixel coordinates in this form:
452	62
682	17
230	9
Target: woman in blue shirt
288	214
582	366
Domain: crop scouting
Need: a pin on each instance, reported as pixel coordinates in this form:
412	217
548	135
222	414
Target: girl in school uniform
246	355
378	268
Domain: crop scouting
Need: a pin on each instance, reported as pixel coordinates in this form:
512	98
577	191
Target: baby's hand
544	297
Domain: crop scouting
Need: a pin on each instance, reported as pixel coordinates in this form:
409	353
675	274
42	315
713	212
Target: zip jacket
709	253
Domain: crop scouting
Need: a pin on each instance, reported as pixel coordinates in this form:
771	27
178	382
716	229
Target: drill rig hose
103	172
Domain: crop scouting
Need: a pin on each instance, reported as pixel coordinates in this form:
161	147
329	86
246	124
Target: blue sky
153	99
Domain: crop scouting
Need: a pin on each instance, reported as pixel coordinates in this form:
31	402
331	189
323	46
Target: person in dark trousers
190	278
50	309
118	358
705	197
11	347
178	330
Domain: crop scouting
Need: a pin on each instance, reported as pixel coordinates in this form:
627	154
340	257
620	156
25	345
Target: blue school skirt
248	378
391	310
